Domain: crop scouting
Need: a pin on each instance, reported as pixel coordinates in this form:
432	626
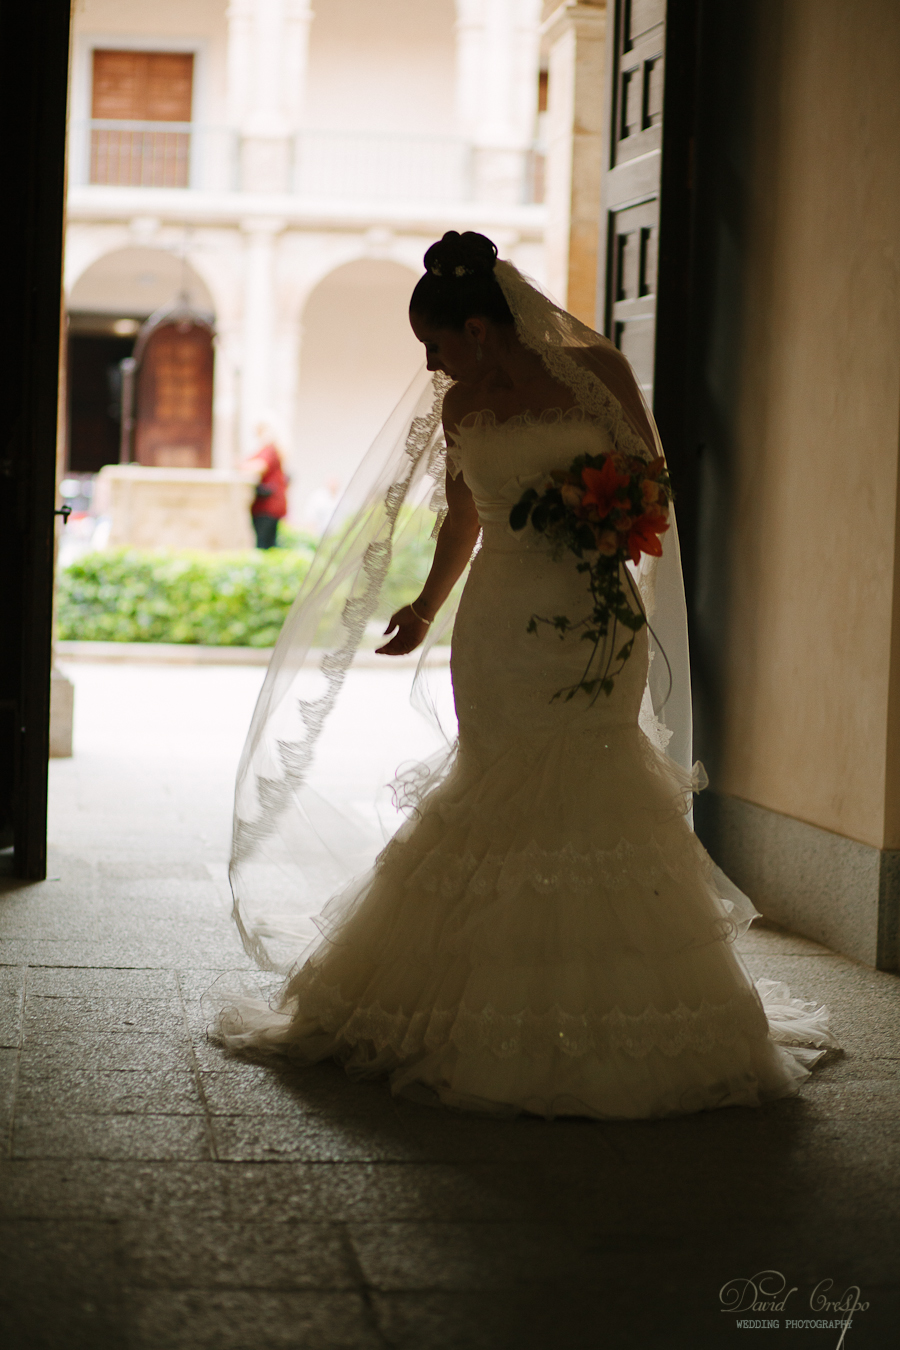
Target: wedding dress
545	933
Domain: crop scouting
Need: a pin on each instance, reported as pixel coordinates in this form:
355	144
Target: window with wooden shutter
151	91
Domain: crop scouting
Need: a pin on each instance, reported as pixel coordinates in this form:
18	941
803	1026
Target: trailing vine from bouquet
607	510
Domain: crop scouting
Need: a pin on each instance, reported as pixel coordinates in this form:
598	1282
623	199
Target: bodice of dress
499	460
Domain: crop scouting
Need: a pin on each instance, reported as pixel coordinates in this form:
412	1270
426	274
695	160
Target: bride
545	933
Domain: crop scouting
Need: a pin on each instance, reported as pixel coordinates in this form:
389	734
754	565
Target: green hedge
216	599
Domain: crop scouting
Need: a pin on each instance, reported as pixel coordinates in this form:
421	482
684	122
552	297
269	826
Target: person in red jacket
270	503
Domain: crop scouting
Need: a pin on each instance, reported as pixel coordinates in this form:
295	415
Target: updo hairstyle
459	283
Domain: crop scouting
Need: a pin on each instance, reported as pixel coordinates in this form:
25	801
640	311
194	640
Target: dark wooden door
94	391
34	60
645	287
174	398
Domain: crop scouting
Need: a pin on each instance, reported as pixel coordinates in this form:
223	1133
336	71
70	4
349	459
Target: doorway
96	346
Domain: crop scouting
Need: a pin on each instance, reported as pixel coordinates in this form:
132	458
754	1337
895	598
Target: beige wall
387	66
811	716
357	355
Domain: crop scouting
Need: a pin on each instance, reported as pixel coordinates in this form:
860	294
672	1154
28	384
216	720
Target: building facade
279	167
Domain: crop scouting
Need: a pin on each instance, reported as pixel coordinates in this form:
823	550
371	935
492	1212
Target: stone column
258	329
267	54
574	35
497	72
225	402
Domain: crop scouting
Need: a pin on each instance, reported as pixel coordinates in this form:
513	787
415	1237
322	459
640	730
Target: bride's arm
455	542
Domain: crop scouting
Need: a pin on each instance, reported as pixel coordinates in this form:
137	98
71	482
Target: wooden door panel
174	398
639	37
632	250
645	276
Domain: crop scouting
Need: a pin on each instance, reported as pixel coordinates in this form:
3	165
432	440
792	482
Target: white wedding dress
546	933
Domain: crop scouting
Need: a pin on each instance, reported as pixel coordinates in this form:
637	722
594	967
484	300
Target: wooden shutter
632	181
645	287
141	87
174	398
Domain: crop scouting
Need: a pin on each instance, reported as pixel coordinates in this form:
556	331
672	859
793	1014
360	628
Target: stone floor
155	1195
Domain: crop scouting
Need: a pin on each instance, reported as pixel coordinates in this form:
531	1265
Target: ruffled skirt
546	933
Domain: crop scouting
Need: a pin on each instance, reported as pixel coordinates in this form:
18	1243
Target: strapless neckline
486	417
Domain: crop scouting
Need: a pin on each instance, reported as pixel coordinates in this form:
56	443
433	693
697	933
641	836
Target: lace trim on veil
295	757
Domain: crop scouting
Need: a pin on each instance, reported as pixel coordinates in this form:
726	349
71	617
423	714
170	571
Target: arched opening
358	355
106	308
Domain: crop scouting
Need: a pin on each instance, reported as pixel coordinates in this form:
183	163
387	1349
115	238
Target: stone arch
107	303
357	355
136	281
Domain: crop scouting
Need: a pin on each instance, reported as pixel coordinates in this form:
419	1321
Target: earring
478	352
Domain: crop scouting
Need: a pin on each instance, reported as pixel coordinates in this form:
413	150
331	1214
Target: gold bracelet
419	616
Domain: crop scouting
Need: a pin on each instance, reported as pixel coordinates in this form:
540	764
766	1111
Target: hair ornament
459	271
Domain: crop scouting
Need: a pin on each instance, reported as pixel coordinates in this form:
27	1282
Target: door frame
34	62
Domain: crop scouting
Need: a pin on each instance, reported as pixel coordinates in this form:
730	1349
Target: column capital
583	15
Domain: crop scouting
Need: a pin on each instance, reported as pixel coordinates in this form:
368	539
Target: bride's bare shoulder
459	400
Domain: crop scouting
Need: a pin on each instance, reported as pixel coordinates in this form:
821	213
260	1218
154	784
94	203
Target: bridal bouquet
607	510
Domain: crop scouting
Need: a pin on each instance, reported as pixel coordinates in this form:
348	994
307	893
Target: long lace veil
293	847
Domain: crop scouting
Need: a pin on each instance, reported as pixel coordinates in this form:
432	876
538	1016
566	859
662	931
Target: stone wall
175	508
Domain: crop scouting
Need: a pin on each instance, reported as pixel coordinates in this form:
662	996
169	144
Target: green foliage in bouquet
607	510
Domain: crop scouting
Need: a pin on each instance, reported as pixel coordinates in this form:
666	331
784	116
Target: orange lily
643	535
602	487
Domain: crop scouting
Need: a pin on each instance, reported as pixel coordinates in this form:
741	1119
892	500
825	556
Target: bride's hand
410	632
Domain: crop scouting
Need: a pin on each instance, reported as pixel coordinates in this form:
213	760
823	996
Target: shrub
218	599
236	599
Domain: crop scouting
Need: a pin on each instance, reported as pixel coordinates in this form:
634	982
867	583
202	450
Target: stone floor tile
47	1017
78	1188
852	1066
378	1192
764	938
61	1287
147	869
857	1099
498	1320
12	984
864	1003
230	1094
99	982
52	1055
125	1092
464	1256
290	1091
75	952
9	1072
309	1138
251	1320
236	1255
175	1138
